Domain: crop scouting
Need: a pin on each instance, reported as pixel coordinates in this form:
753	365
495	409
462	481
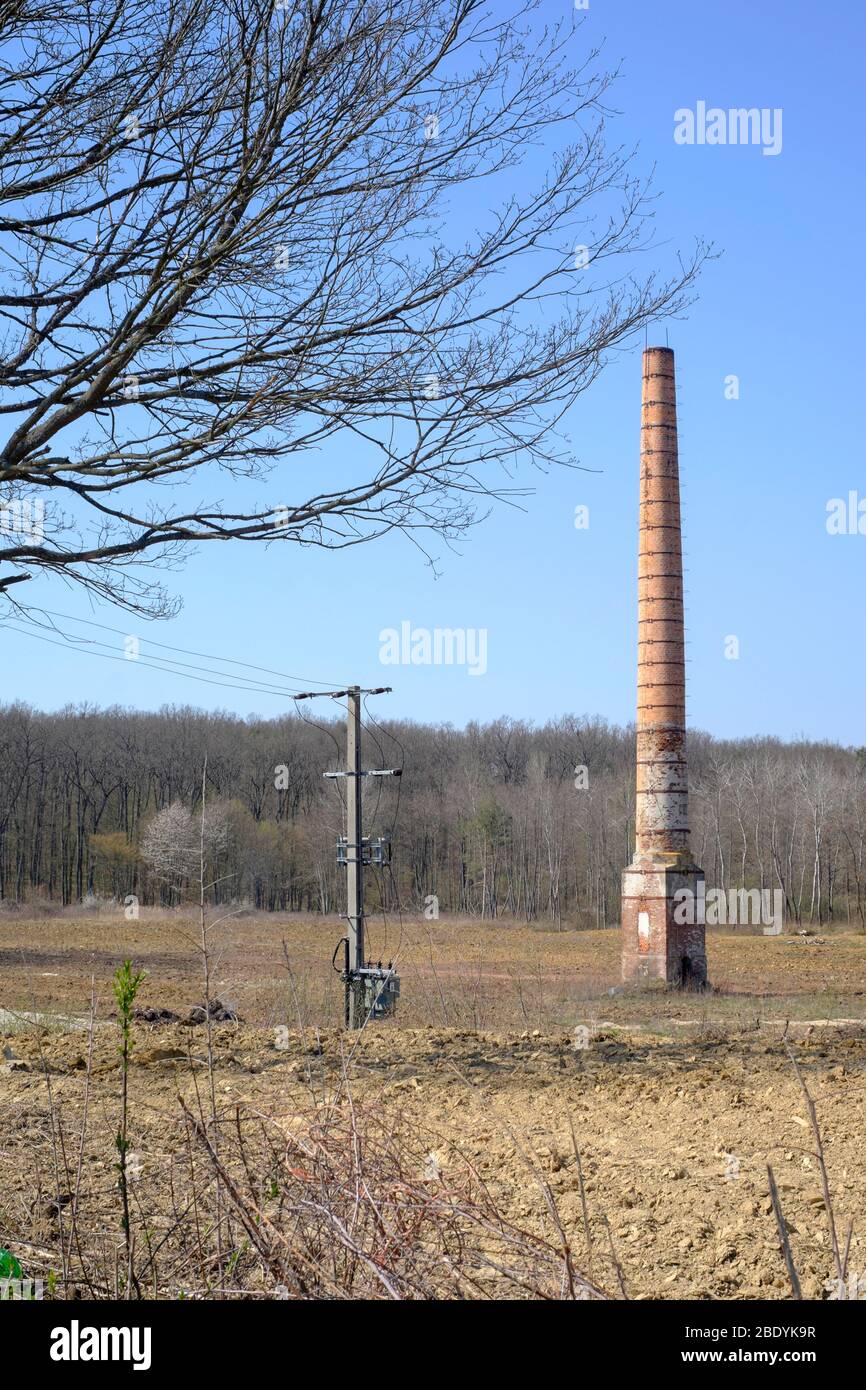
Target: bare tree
99	802
228	241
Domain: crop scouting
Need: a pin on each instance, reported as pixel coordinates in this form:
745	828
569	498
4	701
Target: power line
323	728
379	780
399	909
206	656
387	733
73	645
85	644
171	666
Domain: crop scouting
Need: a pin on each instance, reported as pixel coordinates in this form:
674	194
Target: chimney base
655	946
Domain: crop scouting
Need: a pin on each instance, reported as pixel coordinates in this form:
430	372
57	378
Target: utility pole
371	990
354	855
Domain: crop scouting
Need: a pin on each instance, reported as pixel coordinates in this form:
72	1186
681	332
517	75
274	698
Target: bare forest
499	820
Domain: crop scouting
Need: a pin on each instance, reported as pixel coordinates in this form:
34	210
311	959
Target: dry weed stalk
840	1256
352	1211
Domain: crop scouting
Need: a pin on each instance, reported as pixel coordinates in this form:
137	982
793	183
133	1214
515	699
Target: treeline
504	819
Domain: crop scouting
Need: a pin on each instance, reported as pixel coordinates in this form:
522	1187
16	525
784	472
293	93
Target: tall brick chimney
661	938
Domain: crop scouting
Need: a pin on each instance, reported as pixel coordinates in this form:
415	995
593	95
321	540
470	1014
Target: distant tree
232	231
171	842
115	860
82	788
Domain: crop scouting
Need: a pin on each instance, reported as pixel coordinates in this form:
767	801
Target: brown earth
454	973
677	1104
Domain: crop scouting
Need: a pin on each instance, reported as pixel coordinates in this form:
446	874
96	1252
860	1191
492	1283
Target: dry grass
456	973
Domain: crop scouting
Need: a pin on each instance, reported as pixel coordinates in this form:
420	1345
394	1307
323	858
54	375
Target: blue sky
781	309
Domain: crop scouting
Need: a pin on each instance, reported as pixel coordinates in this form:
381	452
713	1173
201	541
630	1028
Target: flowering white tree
171	844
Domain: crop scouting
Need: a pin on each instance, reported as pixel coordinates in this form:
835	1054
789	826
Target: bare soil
454	973
677	1103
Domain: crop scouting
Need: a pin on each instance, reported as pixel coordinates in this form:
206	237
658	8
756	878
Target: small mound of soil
219	1013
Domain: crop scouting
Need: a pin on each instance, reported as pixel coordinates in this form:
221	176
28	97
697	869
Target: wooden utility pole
354	857
371	991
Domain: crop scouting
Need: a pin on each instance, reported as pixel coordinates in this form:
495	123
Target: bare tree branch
280	244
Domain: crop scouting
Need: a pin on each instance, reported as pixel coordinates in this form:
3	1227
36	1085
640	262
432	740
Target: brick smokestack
662	812
662	908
